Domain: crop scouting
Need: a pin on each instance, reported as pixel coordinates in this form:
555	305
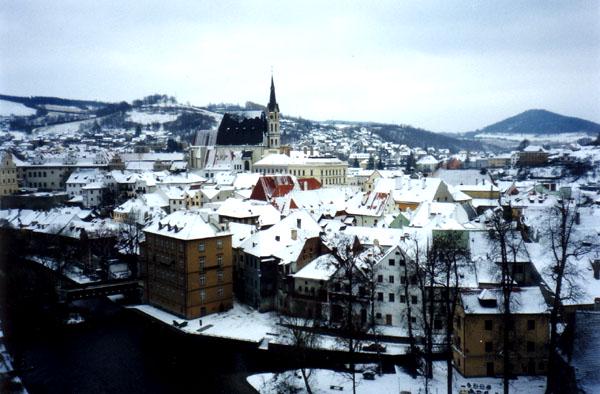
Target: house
269	187
533	155
268	259
478	332
8	174
187	265
427	164
369	208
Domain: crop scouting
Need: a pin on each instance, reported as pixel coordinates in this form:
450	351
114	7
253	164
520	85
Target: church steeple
273	106
273	137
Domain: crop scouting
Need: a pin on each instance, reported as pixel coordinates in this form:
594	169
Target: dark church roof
273	106
237	130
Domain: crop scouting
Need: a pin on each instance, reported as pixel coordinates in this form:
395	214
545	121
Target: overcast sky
443	66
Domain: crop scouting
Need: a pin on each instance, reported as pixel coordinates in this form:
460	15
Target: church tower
273	135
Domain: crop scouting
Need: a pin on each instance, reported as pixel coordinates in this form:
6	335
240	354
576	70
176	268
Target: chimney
294	234
299	223
277	238
596	267
423	183
476	181
483	180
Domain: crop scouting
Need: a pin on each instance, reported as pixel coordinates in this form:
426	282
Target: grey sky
444	65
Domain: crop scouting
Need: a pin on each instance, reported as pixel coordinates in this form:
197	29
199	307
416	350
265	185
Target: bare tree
300	334
451	254
507	245
348	297
426	270
566	246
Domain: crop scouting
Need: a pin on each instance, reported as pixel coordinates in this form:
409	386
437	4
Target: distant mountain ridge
540	121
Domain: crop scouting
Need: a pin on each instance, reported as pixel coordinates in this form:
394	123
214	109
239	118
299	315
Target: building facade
8	174
478	332
187	266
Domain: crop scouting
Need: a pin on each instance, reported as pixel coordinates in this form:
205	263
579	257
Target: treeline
154	99
36	101
416	137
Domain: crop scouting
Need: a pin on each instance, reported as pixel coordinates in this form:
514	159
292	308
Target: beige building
328	170
478	332
8	174
187	265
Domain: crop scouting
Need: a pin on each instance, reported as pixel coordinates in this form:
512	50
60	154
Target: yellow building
187	265
478	331
328	170
8	174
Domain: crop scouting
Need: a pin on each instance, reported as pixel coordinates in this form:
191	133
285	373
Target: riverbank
242	323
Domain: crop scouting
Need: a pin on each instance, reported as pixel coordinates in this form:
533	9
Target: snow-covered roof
266	213
368	204
279	240
524	300
586	350
184	225
321	268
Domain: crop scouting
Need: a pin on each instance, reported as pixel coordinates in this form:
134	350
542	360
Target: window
219	276
413	299
392	262
391	279
391	297
220	292
220	260
202	296
202	263
201	247
379	278
403	299
202	279
531	325
378	315
437	324
489	347
379	296
530	346
219	244
488	325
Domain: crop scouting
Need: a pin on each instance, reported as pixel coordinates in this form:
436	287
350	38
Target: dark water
116	350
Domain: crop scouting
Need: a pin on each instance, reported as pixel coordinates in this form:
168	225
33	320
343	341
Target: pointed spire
273	106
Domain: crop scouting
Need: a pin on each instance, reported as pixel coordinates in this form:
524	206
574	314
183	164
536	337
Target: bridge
100	289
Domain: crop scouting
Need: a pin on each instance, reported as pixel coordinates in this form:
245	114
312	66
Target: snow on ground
8	108
246	324
241	322
63	128
322	380
146	118
562	137
71	272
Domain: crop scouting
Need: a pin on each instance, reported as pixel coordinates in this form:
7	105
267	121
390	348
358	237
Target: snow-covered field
146	118
323	380
538	138
62	128
8	108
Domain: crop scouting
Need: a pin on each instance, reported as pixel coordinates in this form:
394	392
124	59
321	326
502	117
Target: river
116	350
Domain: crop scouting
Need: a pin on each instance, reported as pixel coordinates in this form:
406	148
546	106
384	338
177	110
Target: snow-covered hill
10	108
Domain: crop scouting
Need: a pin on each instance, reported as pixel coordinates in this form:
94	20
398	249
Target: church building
242	138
